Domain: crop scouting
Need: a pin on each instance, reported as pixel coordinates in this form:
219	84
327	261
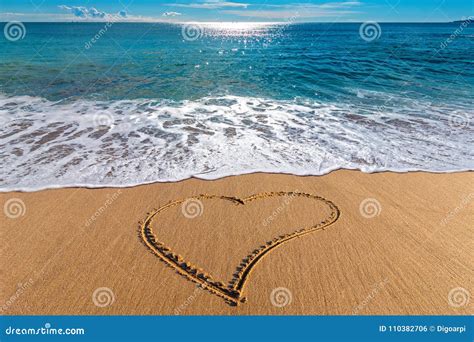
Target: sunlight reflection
230	29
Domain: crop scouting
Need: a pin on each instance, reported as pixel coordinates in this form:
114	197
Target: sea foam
46	144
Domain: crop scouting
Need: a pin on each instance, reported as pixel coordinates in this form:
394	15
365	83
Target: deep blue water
301	98
325	62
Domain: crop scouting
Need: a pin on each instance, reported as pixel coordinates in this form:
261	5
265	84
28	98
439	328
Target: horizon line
250	22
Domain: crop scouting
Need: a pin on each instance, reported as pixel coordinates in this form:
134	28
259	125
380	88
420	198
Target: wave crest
46	144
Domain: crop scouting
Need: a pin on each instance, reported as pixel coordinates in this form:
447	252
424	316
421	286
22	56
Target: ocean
121	104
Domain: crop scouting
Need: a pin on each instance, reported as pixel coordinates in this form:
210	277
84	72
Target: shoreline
251	172
400	246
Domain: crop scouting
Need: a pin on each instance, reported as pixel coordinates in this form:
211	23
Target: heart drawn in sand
233	292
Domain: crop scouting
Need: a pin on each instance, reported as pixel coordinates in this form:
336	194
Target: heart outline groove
232	293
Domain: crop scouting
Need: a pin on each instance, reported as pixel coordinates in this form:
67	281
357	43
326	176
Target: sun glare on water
234	28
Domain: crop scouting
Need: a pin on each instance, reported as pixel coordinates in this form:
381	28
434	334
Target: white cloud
171	14
340	4
300	11
92	13
121	16
83	12
213	4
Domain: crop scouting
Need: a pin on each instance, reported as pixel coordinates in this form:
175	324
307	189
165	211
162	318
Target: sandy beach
339	244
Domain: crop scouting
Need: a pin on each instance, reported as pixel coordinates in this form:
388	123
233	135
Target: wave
45	144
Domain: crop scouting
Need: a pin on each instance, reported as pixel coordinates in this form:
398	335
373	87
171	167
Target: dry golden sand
404	260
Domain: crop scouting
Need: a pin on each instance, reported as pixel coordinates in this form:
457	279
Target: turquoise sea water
122	103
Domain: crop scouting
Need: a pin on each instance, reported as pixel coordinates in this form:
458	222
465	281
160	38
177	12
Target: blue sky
237	10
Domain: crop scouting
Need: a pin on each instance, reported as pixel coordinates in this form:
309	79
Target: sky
237	10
